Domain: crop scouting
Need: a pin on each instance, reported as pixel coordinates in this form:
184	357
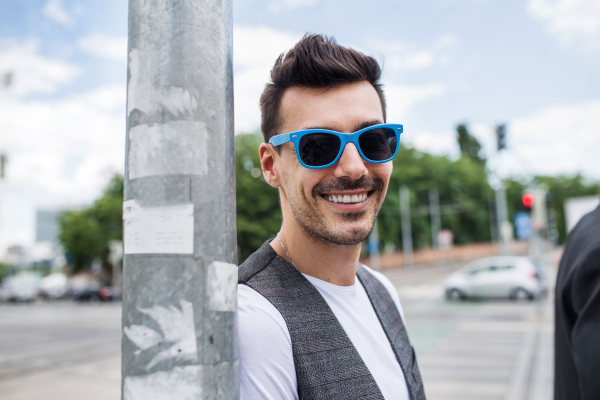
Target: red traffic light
528	200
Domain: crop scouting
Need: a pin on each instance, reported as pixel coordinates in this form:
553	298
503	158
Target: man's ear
267	162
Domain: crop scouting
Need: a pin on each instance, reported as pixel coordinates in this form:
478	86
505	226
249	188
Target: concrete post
180	273
407	245
435	214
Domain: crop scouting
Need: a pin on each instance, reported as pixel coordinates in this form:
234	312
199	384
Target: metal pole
180	273
504	226
493	224
407	245
374	247
436	222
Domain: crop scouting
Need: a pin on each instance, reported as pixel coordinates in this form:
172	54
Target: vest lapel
392	324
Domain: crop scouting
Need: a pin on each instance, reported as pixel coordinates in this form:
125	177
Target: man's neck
332	263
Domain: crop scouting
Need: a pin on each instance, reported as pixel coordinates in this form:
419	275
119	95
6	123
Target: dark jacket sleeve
585	336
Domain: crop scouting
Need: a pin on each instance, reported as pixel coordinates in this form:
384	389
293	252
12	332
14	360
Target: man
577	330
313	322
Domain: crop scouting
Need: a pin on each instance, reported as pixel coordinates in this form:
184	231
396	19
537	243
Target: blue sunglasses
321	148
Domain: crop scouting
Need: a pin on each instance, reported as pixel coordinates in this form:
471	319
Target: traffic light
501	136
528	200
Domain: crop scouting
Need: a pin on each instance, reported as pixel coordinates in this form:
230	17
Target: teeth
355	198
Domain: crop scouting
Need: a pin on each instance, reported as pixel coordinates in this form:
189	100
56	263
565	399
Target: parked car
54	286
22	287
94	292
496	277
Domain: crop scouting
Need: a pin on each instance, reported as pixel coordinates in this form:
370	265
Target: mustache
340	185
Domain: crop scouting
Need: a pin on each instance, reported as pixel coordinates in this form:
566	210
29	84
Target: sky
532	64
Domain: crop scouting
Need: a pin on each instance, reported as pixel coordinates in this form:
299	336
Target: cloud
64	147
102	46
556	140
573	22
401	55
31	72
442	143
54	10
279	6
255	52
401	98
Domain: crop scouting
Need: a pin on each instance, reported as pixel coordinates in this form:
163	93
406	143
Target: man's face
360	185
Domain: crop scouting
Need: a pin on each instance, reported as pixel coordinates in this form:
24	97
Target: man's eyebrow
366	124
358	127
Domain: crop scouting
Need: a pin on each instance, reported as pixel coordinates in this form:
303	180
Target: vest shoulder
256	262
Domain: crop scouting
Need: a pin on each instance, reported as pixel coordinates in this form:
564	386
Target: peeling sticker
181	383
158	230
177	328
221	286
145	95
164	149
143	337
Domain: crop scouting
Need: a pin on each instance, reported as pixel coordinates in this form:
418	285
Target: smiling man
313	322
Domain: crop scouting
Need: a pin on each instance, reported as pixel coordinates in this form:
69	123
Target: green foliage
463	192
85	233
258	210
469	145
6	270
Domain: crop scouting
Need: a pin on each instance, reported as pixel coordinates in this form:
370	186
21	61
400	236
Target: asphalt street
484	350
466	350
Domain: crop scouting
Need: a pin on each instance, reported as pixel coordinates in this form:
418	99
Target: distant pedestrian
314	323
577	332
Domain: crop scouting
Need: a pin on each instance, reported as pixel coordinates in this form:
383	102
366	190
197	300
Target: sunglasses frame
345	138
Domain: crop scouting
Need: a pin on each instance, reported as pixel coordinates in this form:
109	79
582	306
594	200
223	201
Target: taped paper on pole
158	230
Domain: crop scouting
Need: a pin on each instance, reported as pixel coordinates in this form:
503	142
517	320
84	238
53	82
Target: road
484	350
59	351
466	350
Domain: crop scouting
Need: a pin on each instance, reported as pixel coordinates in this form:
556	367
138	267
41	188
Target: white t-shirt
266	360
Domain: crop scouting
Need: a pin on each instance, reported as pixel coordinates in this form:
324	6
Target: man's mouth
347	198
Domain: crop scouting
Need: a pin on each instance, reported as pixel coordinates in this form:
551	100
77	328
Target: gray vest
327	364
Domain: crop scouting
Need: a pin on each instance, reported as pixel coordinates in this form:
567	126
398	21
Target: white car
502	276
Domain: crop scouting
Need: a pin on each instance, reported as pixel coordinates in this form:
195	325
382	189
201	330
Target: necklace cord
286	252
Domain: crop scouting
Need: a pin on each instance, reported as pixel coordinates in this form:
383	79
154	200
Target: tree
258	210
85	233
464	195
469	145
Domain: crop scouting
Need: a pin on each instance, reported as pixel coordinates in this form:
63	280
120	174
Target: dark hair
316	61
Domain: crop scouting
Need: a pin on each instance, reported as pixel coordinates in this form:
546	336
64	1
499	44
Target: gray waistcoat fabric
327	364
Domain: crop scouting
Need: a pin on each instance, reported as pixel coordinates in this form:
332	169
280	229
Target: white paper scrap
221	285
158	230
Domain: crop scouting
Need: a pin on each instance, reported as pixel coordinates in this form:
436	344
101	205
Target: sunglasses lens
317	149
378	144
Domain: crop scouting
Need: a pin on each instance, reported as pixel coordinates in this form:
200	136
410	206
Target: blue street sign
372	246
523	225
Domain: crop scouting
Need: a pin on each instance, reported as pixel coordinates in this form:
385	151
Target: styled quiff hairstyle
316	61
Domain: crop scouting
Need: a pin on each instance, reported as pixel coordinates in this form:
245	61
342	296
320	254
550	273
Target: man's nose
350	165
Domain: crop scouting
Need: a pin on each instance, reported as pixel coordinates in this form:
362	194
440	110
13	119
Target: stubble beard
314	223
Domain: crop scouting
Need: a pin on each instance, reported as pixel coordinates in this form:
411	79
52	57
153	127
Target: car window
505	268
480	271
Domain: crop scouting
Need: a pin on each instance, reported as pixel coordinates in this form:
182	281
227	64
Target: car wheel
521	294
455	295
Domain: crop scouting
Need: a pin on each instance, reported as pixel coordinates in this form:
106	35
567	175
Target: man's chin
347	234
